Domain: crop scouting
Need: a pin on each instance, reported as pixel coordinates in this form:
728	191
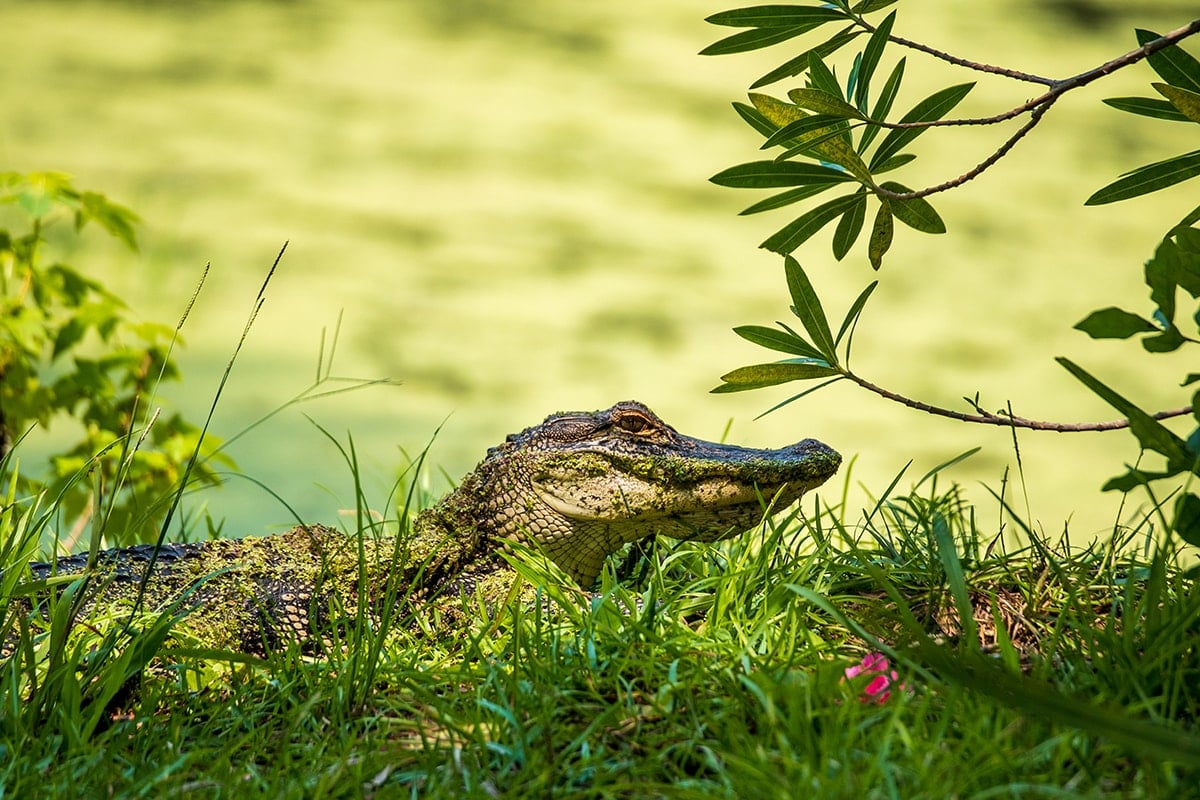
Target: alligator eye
633	423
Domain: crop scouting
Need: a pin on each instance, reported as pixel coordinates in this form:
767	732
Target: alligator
576	488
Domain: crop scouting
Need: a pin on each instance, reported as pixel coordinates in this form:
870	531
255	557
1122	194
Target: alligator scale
576	487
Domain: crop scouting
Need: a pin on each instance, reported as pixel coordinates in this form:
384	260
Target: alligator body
576	487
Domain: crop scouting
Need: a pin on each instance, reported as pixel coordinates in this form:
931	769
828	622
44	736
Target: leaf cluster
832	133
69	349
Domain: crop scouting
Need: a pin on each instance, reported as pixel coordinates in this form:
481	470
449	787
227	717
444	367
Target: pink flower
880	688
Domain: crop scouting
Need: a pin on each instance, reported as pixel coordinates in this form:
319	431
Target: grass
699	671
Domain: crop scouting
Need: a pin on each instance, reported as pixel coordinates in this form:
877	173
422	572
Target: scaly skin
577	488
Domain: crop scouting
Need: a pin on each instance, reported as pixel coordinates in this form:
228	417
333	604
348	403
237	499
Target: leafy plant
838	133
69	350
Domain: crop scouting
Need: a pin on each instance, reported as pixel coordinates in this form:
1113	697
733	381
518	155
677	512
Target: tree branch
1006	420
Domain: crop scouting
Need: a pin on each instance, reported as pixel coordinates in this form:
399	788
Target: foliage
727	680
69	350
835	133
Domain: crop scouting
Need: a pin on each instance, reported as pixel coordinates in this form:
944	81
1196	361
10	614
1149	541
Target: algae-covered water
507	206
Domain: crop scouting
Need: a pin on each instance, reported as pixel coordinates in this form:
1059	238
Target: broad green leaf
932	108
772	174
1147	107
881	235
855	310
916	213
1135	478
787	198
794	66
807	306
1149	178
777	16
1187	518
823	102
1187	102
1173	64
1168	341
850	226
759	376
1113	323
1151	434
832	149
782	341
870	60
799	230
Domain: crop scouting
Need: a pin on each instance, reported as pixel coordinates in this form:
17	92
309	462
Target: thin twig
1007	420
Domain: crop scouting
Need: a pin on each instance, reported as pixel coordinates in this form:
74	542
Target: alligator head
580	485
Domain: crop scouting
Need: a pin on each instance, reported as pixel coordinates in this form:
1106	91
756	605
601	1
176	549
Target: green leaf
868	6
1187	102
1173	64
916	213
870	59
1166	342
777	16
1147	107
855	310
932	108
803	227
881	235
794	66
1151	434
807	306
895	162
787	198
754	119
832	149
808	134
754	39
782	341
823	102
1149	178
850	226
882	107
759	376
822	77
1113	323
770	174
1187	518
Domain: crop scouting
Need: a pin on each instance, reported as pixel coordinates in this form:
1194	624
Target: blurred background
507	206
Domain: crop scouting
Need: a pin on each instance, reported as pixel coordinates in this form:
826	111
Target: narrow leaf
773	339
1149	178
830	148
775	17
855	310
808	308
916	213
850	226
823	102
895	162
932	108
870	59
803	227
881	235
787	198
1173	64
771	174
883	105
1187	102
1113	323
762	375
1151	434
754	39
754	118
822	77
797	65
1147	107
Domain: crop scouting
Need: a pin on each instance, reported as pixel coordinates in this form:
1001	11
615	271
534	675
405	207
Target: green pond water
507	206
